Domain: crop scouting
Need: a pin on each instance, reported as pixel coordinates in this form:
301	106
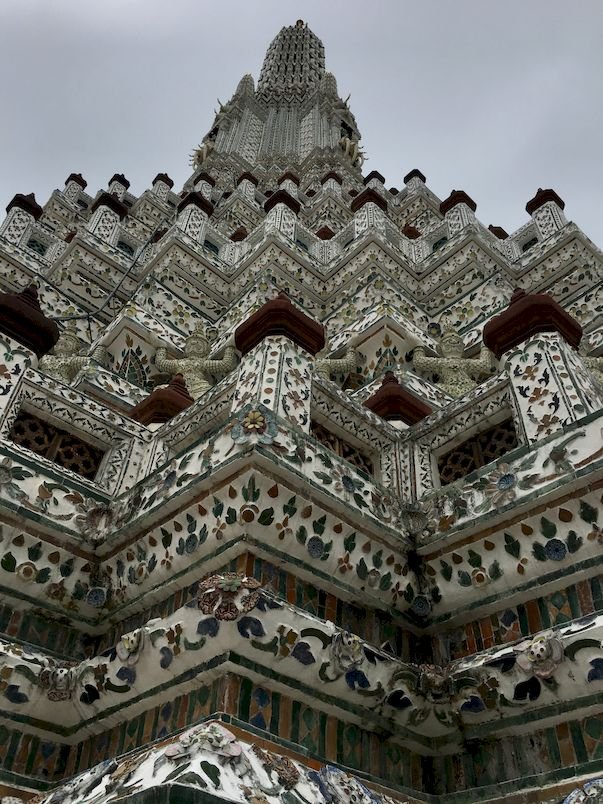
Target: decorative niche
356	457
482	448
57	445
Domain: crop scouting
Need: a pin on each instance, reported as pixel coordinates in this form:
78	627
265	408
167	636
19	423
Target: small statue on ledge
325	366
196	367
65	362
457	374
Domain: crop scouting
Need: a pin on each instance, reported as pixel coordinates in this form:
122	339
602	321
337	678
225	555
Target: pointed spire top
294	63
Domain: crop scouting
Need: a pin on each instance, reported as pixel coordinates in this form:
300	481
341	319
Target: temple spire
294	110
293	65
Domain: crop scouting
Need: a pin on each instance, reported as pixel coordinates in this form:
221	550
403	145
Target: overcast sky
495	97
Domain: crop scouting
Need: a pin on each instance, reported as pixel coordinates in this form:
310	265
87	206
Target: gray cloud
494	98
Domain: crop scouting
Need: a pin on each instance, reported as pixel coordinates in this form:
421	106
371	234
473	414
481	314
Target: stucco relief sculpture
592	363
351	148
457	374
201	153
65	362
325	366
540	656
196	366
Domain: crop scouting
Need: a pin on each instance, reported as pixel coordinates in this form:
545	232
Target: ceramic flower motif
540	656
255	424
227	596
501	485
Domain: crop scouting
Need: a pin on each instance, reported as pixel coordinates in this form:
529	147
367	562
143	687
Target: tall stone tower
301	480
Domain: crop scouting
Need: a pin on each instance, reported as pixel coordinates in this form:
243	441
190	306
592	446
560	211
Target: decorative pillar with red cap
162	184
193	213
204	184
26	334
414	181
277	344
332	182
107	213
289	182
546	210
375	181
370	211
246	185
395	404
281	213
537	340
22	212
118	185
458	210
74	185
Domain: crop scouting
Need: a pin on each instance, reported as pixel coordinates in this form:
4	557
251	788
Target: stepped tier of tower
292	459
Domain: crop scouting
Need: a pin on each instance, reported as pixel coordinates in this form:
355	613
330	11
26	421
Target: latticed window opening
339	446
211	247
125	247
37	246
527	246
65	449
480	450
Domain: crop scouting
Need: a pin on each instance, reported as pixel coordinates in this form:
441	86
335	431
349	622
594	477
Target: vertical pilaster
22	212
537	342
458	211
204	185
278	343
193	213
162	184
118	185
370	211
332	182
246	185
551	384
276	374
107	212
73	187
281	213
290	183
25	335
414	181
546	210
